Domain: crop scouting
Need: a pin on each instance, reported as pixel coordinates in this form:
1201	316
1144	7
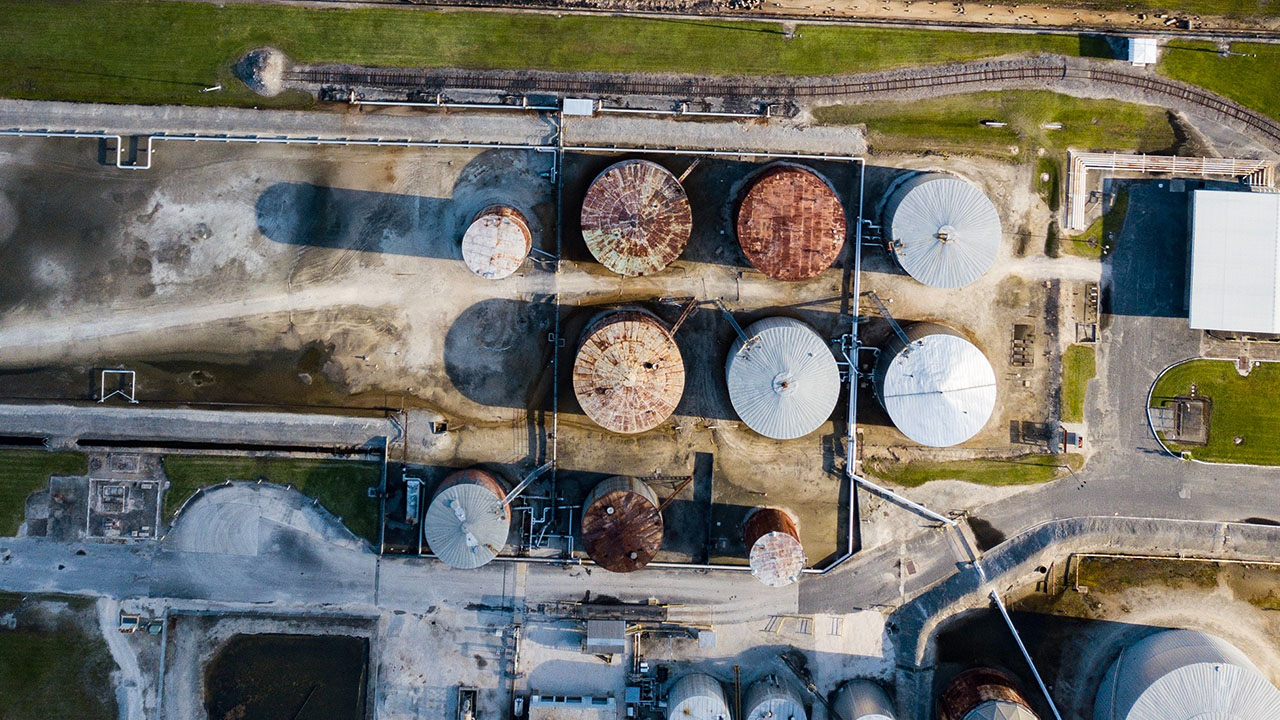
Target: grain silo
938	388
784	381
944	231
773	546
621	525
497	242
697	697
636	218
628	375
1181	675
791	223
984	694
468	521
770	698
863	700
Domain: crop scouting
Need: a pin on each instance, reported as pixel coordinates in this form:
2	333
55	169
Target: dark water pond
288	677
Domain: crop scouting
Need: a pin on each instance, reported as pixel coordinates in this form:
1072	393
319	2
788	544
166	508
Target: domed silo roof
944	231
697	697
863	700
497	242
791	224
770	698
467	523
1185	675
785	383
939	389
636	218
628	375
621	525
984	694
774	551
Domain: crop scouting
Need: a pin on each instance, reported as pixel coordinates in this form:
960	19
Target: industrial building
1235	261
697	697
1185	675
938	388
783	380
772	698
636	218
984	694
791	224
468	520
774	550
863	700
621	524
944	231
628	375
497	242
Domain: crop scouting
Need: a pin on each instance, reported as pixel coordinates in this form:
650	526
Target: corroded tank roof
773	541
983	692
636	218
628	375
621	525
791	224
467	523
497	242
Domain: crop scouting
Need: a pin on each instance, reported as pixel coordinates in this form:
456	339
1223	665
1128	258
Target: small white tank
770	698
697	697
863	700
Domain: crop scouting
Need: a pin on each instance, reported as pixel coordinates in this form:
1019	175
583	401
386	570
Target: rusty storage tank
628	375
863	700
697	697
621	525
773	546
636	218
984	694
784	382
772	698
497	242
791	223
944	231
468	522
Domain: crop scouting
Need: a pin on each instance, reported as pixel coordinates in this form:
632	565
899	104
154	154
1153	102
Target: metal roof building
984	694
467	523
1185	675
697	697
944	231
784	382
497	242
1235	261
771	698
628	375
775	553
791	224
863	700
636	218
939	389
621	525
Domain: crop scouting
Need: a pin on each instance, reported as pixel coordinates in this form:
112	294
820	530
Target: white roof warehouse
1235	261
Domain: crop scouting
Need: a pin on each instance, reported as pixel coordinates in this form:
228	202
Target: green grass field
1023	470
341	486
1079	365
1241	407
53	668
23	472
1249	81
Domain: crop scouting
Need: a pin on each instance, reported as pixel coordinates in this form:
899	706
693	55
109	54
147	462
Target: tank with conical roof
784	381
468	521
628	375
791	224
621	525
636	218
863	700
497	242
772	698
944	231
773	546
984	694
697	697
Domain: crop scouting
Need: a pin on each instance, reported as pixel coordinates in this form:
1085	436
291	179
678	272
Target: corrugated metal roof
769	698
628	375
1185	675
636	218
863	700
775	553
697	697
1235	261
496	243
1001	710
944	231
791	224
621	525
786	382
940	390
467	525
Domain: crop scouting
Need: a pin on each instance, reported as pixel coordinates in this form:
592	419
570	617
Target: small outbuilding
1143	51
1235	261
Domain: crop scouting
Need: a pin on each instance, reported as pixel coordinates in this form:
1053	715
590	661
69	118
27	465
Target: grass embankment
1079	366
51	667
1243	407
1250	81
1022	470
1096	240
23	472
341	486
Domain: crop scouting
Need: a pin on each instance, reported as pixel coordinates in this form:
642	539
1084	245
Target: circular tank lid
496	243
467	524
784	382
628	375
945	232
777	559
791	224
622	530
697	697
941	391
1001	710
636	218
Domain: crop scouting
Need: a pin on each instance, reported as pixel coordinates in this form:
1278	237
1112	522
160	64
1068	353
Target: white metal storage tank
863	700
697	697
497	242
1184	674
784	382
769	698
938	388
944	231
467	523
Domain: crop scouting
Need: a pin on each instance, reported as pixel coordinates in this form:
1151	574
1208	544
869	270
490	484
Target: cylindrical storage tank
769	698
636	218
784	382
497	242
984	694
1185	675
628	375
621	525
467	523
863	700
773	546
944	231
791	223
697	697
938	388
